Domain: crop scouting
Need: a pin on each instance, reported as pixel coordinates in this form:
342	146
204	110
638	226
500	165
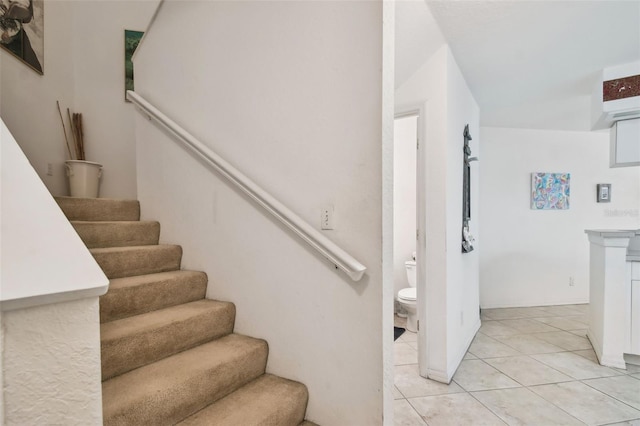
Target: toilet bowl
407	297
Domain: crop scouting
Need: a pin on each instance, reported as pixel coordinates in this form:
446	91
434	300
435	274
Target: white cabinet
625	143
614	295
635	309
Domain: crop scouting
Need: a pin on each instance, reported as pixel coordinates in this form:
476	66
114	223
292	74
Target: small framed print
604	192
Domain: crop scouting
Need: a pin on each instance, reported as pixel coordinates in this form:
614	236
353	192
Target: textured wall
52	364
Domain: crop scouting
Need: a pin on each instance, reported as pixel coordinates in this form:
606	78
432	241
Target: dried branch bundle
77	134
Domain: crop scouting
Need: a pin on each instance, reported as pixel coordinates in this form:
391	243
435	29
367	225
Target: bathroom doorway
408	213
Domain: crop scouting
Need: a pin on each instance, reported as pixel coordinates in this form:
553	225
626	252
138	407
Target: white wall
99	87
447	279
287	94
463	281
404	197
84	70
28	102
529	256
52	364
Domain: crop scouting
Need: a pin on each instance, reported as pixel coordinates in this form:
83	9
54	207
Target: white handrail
340	258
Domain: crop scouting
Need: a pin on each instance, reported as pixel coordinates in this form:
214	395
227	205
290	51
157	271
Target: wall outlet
49	169
571	282
326	218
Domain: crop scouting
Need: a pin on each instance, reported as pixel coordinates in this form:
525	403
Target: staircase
169	356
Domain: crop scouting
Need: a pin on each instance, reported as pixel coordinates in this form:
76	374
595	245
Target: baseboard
595	344
606	360
524	304
463	350
632	359
447	376
438	376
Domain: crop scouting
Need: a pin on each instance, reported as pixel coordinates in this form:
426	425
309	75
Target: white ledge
44	260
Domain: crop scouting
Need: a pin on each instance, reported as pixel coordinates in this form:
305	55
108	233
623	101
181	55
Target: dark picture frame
603	194
131	41
22	29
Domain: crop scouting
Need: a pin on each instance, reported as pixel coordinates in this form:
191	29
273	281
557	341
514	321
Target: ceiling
529	64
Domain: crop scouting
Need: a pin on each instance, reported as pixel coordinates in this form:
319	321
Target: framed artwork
131	41
604	193
22	30
550	191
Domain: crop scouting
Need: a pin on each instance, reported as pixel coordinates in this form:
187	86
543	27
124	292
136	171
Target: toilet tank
410	265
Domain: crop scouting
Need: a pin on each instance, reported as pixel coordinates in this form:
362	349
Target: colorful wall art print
22	31
550	191
131	41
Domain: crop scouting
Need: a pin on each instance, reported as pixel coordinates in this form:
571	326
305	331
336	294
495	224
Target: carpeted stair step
118	262
132	342
95	209
268	400
136	295
117	233
174	388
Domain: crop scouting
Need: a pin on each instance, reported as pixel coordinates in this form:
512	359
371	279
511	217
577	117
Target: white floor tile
536	389
565	340
487	347
397	394
520	406
405	415
408	381
526	325
622	388
495	328
527	371
585	403
527	344
574	365
404	354
475	374
454	410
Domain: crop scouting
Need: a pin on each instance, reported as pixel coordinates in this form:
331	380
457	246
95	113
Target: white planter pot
84	178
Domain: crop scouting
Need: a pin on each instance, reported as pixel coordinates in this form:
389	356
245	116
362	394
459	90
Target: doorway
408	212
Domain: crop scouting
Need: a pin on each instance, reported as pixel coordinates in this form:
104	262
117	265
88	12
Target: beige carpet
169	356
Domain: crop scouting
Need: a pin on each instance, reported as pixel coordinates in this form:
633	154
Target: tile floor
526	366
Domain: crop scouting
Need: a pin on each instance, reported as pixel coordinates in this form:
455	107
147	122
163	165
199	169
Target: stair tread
129	282
118	262
139	294
101	234
132	342
268	400
155	247
152	320
99	208
173	388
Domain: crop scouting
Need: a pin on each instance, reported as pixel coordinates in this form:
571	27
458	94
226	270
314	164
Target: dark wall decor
467	238
22	30
131	41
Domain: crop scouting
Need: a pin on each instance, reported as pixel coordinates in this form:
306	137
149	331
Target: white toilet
407	297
